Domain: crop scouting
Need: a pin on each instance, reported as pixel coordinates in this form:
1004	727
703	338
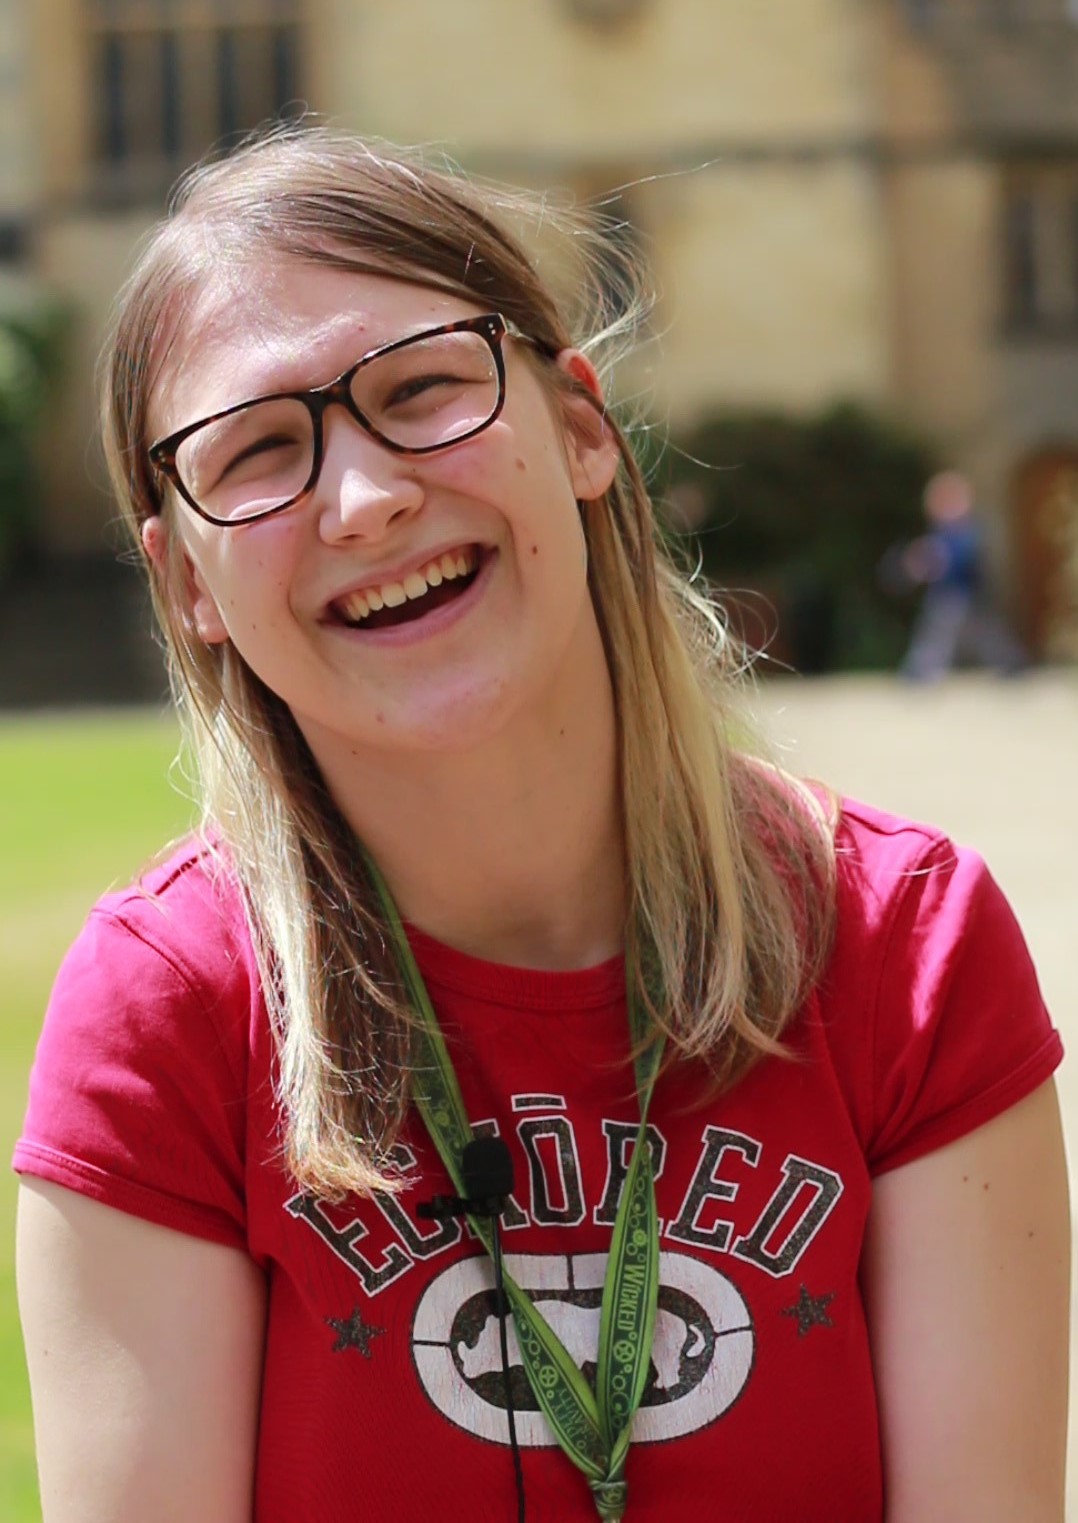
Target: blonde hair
730	863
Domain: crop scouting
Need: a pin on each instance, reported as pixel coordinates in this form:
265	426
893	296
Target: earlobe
152	535
200	607
205	614
592	448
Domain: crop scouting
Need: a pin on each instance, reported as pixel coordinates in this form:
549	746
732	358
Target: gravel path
996	764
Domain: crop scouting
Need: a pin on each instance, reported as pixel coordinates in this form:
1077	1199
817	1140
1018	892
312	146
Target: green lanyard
594	1428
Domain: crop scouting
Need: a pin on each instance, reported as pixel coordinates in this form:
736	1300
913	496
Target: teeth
356	605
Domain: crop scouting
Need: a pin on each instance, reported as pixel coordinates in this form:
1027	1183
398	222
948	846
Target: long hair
729	861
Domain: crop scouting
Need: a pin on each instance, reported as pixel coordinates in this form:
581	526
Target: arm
144	1347
924	560
966	1281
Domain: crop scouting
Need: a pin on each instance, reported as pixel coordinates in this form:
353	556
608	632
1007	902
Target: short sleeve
137	1088
961	1032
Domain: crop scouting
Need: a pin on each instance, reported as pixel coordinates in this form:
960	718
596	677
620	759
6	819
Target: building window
169	79
603	12
920	13
959	16
1040	249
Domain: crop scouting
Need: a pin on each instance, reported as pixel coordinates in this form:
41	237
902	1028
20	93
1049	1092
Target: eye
252	441
260	447
416	386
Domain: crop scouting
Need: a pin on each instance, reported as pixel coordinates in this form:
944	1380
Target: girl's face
496	515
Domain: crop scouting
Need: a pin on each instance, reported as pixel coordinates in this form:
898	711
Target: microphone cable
487	1175
507	1387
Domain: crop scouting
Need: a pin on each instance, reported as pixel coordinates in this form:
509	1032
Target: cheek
260	557
247	573
510	473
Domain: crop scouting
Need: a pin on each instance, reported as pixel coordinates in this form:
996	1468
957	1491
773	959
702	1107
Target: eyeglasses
417	395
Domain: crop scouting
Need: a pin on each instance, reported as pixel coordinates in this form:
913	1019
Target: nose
364	489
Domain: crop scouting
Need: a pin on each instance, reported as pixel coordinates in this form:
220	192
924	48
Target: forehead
281	327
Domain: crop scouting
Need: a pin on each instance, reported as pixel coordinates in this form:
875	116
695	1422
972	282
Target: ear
200	607
592	448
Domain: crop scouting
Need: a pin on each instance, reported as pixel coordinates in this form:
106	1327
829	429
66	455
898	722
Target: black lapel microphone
486	1168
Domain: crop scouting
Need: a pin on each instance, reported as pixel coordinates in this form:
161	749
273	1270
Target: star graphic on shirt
810	1311
353	1332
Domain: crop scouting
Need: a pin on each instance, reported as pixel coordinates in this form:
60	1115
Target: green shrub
791	518
33	340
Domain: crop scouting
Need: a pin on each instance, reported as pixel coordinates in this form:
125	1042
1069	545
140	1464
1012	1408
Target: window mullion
174	77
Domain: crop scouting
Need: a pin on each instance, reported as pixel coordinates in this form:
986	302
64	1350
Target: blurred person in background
958	614
488	850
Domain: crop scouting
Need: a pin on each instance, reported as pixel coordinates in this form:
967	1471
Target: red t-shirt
152	1092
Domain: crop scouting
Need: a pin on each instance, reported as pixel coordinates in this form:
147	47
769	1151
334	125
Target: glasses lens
255	459
430	392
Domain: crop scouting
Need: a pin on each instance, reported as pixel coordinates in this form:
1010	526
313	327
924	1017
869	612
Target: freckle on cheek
381	718
535	549
521	463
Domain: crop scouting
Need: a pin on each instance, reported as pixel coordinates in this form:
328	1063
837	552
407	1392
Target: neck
512	851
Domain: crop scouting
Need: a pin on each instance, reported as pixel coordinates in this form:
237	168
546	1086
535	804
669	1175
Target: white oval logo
701	1358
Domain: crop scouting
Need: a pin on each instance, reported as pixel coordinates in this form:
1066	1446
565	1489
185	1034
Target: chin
449	713
456	723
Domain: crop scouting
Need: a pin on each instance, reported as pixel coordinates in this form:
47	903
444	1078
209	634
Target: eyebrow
283	376
291	370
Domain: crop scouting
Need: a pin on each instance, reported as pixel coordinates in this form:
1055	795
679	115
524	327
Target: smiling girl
484	853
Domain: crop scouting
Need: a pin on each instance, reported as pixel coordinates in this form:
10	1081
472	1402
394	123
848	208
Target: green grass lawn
85	801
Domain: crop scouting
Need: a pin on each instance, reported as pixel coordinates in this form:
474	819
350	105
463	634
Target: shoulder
930	1003
908	897
149	1049
175	937
159	966
911	902
894	873
186	908
874	847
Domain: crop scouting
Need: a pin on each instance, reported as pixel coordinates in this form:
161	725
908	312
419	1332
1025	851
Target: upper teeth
445	568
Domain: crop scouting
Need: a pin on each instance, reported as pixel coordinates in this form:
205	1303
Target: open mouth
441	581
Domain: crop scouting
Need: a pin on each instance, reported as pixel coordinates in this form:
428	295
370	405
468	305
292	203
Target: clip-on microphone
486	1167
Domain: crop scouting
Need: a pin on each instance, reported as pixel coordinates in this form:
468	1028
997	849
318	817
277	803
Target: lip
398	572
433	623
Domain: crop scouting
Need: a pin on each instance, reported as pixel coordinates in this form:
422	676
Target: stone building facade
840	199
